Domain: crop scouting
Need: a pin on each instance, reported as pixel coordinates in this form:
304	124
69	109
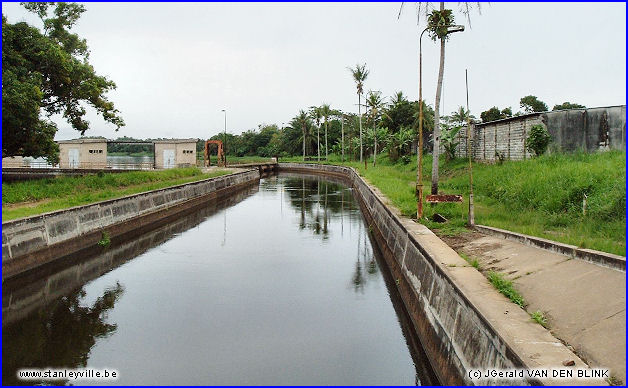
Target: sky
178	65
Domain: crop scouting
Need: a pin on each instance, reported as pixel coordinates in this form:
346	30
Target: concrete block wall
26	242
591	130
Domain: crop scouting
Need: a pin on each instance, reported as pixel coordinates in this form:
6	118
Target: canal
277	284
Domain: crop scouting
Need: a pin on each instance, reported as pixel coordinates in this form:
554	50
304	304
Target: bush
538	140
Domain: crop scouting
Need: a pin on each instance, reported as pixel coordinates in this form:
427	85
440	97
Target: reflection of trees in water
366	264
317	200
60	335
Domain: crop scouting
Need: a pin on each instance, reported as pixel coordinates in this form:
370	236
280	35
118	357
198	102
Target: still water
278	284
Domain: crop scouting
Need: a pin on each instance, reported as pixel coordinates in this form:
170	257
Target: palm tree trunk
318	142
326	153
304	144
342	134
437	131
360	120
375	152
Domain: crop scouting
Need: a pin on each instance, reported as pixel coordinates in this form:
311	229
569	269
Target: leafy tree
538	140
531	104
495	114
359	76
48	73
568	105
398	143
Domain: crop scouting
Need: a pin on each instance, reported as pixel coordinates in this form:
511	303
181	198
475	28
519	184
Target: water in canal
278	284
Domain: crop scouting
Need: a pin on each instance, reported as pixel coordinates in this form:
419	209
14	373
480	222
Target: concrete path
585	304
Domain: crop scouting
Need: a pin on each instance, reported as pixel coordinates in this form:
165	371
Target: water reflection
295	294
59	335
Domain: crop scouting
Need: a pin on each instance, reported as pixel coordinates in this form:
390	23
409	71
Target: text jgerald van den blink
540	373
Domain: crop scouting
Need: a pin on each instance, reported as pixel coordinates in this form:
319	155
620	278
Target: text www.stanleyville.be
68	374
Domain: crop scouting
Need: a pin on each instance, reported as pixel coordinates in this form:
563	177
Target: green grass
539	318
243	159
473	262
540	196
27	198
506	288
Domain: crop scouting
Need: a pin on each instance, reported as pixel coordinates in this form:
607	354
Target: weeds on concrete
473	262
506	287
105	239
539	318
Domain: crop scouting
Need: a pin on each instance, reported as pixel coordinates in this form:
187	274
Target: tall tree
48	72
375	103
360	73
437	27
316	113
302	121
531	104
326	111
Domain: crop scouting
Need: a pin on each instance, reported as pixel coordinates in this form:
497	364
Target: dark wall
590	129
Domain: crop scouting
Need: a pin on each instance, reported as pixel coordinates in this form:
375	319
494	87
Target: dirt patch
460	240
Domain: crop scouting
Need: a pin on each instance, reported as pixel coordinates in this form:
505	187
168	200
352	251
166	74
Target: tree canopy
495	114
568	105
44	74
531	104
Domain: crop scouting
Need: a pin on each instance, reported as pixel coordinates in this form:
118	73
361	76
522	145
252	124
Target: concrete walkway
585	304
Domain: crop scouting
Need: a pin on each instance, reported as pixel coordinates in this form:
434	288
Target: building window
95	151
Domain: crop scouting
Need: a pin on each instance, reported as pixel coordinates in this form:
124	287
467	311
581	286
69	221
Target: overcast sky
177	65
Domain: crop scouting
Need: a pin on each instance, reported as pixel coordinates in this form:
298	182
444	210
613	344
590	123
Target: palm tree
301	121
397	98
338	114
326	111
437	22
359	76
317	114
375	104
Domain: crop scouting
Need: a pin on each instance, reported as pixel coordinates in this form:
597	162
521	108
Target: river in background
278	284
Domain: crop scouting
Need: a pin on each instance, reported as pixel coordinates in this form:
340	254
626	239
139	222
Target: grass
473	262
539	318
540	196
506	288
245	159
27	198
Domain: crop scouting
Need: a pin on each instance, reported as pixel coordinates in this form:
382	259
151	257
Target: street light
419	178
224	147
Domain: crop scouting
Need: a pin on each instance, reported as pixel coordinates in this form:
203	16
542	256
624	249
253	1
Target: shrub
538	140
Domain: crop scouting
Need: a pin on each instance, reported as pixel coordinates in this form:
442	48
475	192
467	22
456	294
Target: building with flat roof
175	153
83	153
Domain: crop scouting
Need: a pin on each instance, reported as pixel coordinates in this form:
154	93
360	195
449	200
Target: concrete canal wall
30	242
464	324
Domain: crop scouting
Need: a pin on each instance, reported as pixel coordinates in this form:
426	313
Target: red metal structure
220	156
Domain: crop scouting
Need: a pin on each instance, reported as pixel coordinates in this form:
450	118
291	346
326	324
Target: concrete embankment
464	324
30	242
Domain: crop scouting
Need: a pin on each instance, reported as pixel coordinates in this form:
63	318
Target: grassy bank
27	198
541	196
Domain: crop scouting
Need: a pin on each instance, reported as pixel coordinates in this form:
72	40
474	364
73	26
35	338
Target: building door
168	158
73	157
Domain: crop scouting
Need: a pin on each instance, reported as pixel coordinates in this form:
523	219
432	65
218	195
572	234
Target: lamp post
419	173
224	146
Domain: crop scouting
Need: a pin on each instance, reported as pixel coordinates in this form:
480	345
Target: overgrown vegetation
26	198
505	287
538	140
105	239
